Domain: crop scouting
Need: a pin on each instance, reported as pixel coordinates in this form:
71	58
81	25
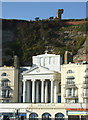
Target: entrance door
73	117
84	117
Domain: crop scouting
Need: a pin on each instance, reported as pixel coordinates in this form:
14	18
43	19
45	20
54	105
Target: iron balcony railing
70	83
85	94
4	96
85	82
70	95
5	87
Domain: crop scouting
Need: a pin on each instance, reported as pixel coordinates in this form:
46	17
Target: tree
37	18
51	18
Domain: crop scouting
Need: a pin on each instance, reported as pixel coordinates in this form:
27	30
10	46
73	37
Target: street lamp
28	110
17	112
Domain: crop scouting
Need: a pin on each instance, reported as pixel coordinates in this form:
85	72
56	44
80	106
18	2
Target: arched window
4	74
59	116
33	116
46	116
69	71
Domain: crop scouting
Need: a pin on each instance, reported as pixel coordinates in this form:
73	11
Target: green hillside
28	38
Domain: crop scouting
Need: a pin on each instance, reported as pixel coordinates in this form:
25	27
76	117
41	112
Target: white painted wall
51	61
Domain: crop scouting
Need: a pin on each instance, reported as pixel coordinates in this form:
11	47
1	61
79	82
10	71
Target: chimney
16	61
68	57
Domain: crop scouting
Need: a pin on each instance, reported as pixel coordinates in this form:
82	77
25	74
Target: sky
43	10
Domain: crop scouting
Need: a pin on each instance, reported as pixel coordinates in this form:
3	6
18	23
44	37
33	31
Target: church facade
41	83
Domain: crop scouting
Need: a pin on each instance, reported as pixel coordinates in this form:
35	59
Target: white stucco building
41	83
74	90
50	61
50	90
74	81
8	84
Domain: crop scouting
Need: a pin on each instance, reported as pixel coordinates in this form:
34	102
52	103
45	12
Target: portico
39	85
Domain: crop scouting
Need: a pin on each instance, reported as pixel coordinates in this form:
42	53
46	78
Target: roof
38	70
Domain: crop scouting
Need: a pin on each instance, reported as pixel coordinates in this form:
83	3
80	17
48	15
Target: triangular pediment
38	70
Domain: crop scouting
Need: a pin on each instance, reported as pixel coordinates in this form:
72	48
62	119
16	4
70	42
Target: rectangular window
41	61
53	60
70	81
4	83
85	100
85	92
86	80
49	60
5	93
59	99
6	101
69	91
68	101
44	62
76	100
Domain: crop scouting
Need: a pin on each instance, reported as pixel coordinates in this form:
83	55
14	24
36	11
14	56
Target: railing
70	95
85	82
70	82
85	94
5	87
4	96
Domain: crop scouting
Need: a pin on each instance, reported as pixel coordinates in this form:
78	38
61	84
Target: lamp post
28	111
14	113
81	108
17	112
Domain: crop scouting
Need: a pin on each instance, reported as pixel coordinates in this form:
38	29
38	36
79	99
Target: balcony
5	87
4	96
70	83
70	96
85	84
85	95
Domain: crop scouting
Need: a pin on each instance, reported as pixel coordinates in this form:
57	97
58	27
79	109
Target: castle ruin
59	13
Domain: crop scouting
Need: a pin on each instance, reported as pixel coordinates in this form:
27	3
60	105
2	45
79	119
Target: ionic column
33	91
42	91
37	91
51	91
28	91
46	92
80	118
24	90
72	91
55	92
66	93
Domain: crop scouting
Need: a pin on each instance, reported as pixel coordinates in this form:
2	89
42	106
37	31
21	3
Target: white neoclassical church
42	81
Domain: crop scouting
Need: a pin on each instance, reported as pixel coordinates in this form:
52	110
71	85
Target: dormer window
49	60
4	74
69	71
